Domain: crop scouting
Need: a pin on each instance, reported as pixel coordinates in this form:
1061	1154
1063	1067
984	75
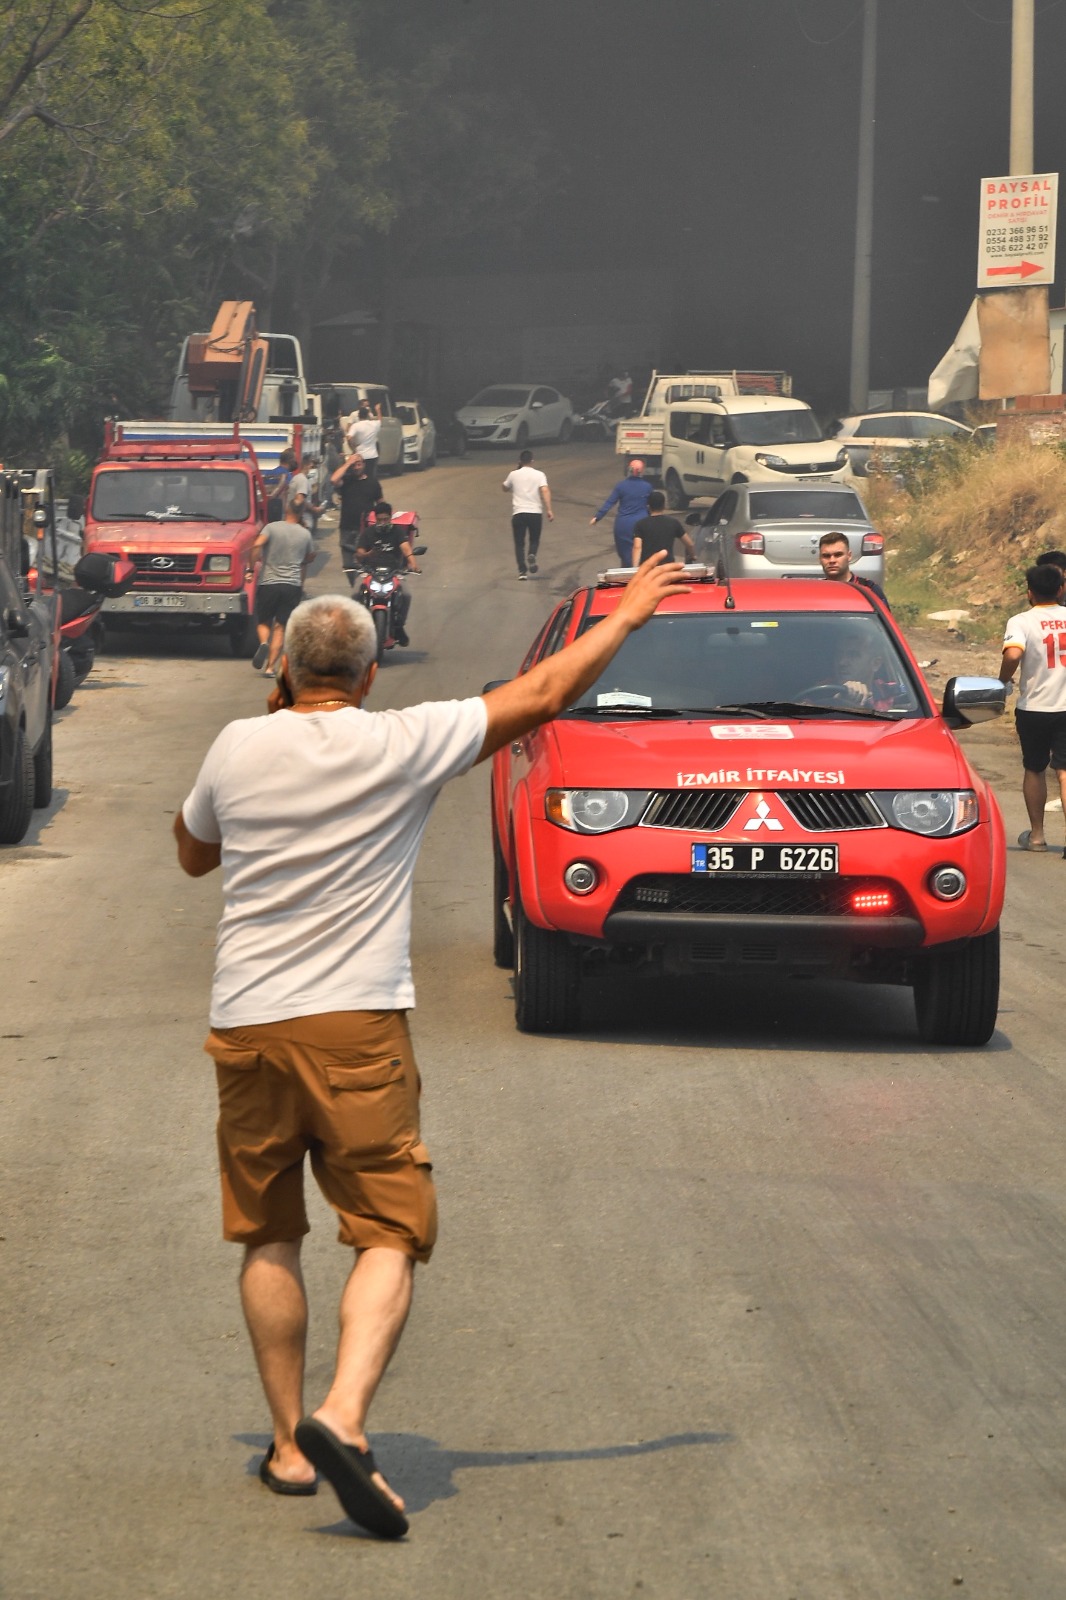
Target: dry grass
961	533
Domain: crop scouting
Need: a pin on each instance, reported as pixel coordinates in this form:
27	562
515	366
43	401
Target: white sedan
517	413
878	438
419	435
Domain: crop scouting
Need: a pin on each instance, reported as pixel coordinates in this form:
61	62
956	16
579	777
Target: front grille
696	895
704	810
480	432
828	810
814	466
177	564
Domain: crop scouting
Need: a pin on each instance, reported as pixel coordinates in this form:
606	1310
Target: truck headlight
936	813
219	563
766	460
595	810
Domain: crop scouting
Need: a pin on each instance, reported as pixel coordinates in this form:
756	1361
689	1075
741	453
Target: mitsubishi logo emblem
763	819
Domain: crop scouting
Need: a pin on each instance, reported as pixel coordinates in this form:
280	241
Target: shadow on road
423	1472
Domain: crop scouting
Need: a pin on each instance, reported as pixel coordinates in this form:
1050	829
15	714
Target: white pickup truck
640	438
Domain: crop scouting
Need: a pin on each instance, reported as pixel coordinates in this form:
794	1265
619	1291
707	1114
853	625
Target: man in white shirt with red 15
1036	640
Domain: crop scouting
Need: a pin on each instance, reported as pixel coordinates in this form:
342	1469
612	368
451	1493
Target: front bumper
179	603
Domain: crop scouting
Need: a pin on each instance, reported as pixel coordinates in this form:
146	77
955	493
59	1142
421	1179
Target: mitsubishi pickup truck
640	438
186	514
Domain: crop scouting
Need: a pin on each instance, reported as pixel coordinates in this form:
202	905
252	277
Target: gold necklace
313	705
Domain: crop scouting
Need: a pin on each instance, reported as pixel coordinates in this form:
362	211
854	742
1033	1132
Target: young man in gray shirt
285	550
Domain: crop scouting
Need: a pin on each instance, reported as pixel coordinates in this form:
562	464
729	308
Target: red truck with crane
185	498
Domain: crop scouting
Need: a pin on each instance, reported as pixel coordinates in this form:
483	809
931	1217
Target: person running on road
286	549
1035	640
657	531
631	495
316	813
531	501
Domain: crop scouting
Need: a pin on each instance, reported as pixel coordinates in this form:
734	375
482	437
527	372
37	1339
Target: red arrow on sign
1025	269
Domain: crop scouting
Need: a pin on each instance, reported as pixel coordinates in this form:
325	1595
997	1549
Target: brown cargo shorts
344	1088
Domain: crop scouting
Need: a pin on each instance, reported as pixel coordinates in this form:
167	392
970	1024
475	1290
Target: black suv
26	651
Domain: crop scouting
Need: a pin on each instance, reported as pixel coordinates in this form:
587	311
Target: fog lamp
948	883
580	877
871	901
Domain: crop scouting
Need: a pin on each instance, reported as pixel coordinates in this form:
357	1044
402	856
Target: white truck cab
750	438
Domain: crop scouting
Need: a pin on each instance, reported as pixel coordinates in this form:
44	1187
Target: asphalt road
740	1293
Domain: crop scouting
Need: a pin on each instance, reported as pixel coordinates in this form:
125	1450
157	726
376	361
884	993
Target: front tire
243	638
502	932
381	632
66	680
956	992
42	768
566	431
547	978
676	498
16	798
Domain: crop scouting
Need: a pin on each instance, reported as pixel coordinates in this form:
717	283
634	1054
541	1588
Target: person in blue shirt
631	497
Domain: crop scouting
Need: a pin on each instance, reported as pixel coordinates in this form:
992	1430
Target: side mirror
17	623
40	518
496	683
420	549
971	700
537	405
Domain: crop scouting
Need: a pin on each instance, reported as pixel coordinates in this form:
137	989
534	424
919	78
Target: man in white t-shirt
531	500
1035	640
363	434
316	815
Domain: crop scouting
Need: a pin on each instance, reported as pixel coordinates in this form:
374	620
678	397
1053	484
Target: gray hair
329	637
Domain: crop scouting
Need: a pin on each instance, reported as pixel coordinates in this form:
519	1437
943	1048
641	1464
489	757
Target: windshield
407	415
795	505
816	663
154	494
775	427
500	397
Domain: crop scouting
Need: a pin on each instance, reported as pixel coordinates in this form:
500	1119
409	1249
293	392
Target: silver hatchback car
757	531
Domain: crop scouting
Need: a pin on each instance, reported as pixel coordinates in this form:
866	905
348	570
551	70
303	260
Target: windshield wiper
179	516
803	708
624	711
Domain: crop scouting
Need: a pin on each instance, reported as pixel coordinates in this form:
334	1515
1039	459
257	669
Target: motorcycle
97	577
379	587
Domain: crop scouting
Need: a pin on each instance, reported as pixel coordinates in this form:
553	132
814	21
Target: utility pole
859	387
1021	86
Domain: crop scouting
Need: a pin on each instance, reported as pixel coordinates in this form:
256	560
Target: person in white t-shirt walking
316	816
1035	640
531	501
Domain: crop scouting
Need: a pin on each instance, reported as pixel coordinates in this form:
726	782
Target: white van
750	438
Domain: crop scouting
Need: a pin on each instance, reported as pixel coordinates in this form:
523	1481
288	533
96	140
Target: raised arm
548	688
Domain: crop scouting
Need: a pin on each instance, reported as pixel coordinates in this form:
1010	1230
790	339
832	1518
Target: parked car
28	658
518	414
419	435
759	780
885	435
708	444
762	531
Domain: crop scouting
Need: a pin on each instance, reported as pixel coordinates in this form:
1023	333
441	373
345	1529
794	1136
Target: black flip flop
347	1470
278	1485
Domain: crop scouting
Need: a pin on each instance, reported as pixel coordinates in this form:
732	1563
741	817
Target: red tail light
751	544
872	544
872	901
